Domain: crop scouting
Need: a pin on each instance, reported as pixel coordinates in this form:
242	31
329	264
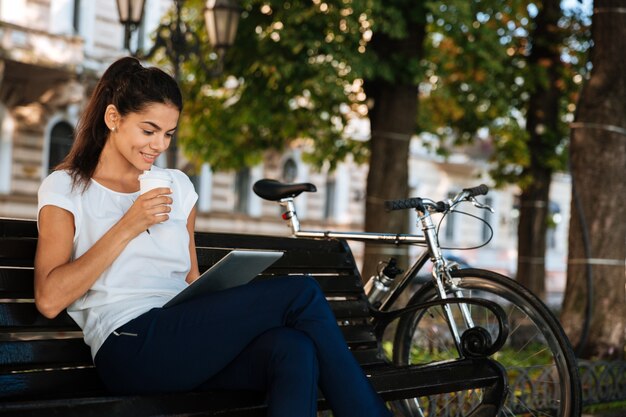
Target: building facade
51	55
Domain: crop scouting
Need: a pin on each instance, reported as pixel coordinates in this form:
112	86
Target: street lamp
178	42
221	18
131	13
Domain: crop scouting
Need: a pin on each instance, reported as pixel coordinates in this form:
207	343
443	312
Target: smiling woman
113	256
132	109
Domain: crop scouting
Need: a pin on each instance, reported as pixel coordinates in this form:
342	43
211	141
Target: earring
114	129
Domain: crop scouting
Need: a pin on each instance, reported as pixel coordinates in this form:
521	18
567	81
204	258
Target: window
205	187
515	213
6	141
330	204
76	17
554	219
242	190
61	139
195	181
290	170
141	34
450	221
488	218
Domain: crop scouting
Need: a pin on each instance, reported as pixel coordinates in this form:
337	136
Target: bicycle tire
542	381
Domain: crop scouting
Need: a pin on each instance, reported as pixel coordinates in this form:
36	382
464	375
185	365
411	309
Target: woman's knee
304	285
292	349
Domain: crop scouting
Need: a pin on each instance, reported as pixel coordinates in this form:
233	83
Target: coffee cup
150	180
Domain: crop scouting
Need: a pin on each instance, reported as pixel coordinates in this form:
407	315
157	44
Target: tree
544	138
319	64
393	92
597	241
292	76
315	66
509	69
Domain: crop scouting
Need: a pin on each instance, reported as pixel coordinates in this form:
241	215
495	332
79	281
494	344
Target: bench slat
369	357
16	283
291	262
343	284
14	355
18	251
51	384
18	228
24	317
359	335
395	383
214	403
16	317
235	240
68	349
350	309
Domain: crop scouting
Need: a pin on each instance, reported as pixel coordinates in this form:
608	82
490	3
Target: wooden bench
46	369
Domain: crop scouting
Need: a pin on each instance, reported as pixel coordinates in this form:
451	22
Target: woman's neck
115	172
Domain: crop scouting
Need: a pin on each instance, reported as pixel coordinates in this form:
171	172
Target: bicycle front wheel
540	364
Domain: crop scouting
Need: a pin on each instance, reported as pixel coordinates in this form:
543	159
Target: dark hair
130	87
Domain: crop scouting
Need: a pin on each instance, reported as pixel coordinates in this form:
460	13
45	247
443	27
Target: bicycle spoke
527	409
535	354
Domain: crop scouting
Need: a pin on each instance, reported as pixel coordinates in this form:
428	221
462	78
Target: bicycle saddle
274	190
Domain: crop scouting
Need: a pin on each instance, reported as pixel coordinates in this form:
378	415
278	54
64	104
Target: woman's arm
59	281
194	272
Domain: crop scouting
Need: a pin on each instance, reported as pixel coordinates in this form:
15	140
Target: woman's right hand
149	209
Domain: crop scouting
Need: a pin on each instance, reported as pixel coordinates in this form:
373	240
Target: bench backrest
47	358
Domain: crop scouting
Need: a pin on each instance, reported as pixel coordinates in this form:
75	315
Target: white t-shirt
150	270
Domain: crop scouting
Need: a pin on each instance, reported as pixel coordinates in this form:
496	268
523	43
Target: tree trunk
393	117
392	123
532	228
542	127
598	160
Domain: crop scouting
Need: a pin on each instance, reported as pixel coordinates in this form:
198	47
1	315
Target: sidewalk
608	413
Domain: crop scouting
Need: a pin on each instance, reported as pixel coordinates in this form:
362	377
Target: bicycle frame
440	273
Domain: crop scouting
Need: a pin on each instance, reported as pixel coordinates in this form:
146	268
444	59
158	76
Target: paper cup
150	180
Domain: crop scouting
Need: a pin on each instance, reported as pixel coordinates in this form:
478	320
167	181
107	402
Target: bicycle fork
442	277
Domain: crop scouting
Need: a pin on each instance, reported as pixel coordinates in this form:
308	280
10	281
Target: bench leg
493	396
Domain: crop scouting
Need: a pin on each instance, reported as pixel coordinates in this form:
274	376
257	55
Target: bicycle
537	356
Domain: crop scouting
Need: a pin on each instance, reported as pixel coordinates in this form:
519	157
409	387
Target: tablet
238	267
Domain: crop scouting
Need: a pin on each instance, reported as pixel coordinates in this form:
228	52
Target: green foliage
296	72
479	77
294	76
289	78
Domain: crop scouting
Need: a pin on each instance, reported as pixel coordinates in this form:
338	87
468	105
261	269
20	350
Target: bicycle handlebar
416	203
482	189
436	206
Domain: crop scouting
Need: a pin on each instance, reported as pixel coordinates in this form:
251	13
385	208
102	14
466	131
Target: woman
113	258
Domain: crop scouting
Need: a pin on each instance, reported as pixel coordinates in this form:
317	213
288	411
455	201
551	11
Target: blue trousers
277	335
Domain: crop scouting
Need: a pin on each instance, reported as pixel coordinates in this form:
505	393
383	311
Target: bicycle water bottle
380	284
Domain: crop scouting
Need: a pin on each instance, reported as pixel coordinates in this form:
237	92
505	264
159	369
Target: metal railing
602	382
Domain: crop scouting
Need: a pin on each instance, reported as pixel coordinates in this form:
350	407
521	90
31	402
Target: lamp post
178	42
131	13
